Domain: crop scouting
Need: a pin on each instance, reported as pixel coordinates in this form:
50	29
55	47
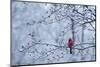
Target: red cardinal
70	44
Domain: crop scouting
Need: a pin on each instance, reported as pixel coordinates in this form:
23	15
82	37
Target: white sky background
26	13
5	33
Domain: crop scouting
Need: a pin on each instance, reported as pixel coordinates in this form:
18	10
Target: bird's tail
70	50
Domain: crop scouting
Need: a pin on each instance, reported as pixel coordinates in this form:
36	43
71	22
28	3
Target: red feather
70	43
